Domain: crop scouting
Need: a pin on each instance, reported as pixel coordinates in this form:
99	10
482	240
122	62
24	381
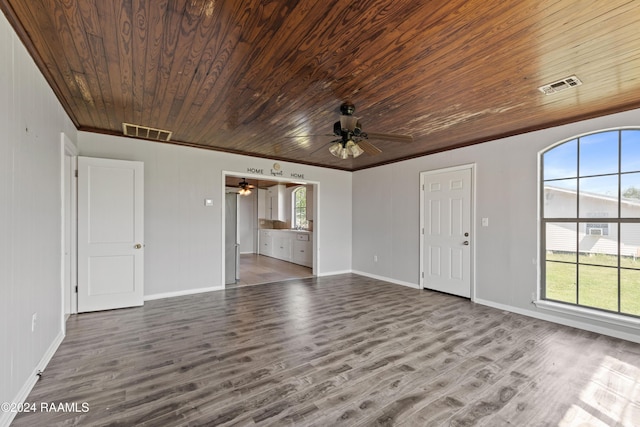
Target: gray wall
31	120
386	216
184	238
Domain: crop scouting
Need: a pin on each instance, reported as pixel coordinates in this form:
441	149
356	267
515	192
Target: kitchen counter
286	229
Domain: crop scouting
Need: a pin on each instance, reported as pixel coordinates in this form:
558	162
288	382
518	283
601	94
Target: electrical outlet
34	317
375	258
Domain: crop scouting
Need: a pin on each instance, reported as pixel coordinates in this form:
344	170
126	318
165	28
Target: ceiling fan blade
369	148
390	137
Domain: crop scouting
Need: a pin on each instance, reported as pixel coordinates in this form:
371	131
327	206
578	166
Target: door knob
466	243
138	246
466	234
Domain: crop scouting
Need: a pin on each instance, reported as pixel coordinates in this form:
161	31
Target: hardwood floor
257	269
332	351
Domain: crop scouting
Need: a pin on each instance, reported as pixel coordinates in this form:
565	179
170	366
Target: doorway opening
269	232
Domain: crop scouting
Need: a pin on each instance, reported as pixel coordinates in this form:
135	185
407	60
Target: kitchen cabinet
302	251
287	245
276	203
263	203
266	243
282	246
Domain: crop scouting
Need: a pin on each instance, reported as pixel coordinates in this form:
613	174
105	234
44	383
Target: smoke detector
560	85
145	132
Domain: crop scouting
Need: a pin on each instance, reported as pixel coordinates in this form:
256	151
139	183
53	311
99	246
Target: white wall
184	238
31	120
386	216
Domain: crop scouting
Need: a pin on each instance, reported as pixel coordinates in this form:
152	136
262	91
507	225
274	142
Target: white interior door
110	234
446	220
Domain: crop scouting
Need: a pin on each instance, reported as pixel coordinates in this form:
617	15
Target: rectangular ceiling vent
560	85
138	131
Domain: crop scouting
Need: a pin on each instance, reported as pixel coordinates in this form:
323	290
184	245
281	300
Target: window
590	218
299	203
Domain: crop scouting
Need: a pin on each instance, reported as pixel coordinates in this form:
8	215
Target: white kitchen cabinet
287	245
282	246
263	203
302	253
276	202
266	243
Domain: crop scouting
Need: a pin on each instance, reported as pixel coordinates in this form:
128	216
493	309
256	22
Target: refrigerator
231	243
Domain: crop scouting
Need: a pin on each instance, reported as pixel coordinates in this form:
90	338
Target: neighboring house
595	236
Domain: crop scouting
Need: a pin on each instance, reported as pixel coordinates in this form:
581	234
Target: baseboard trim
387	279
182	293
7	417
561	321
334	273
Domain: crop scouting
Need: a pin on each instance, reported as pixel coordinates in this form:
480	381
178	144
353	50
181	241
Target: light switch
485	222
208	202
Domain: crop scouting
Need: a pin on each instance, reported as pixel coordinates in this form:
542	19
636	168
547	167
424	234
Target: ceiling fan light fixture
343	150
354	149
245	188
336	149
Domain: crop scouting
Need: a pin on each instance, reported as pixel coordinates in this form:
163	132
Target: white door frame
68	149
472	255
316	214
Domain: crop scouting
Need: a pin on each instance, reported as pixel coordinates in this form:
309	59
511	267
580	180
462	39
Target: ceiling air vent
560	85
146	132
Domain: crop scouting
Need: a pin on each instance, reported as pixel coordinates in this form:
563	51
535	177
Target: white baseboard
7	417
182	293
334	273
561	320
387	279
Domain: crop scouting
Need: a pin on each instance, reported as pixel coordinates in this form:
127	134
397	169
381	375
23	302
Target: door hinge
76	289
423	231
422	274
76	173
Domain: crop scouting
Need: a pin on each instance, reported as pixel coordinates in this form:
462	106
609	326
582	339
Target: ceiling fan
353	141
245	187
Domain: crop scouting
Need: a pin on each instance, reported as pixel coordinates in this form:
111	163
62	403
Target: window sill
587	313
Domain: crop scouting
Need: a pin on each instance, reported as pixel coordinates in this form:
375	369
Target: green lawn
598	283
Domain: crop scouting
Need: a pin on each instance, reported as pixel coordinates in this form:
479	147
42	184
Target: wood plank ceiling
266	78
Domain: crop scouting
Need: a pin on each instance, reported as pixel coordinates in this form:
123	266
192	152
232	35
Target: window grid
579	221
299	198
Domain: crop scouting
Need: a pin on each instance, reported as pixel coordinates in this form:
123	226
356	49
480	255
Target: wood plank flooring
334	351
257	269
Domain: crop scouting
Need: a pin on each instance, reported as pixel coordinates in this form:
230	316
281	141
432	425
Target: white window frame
616	318
294	207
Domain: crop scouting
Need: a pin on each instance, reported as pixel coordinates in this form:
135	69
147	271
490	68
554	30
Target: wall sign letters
276	171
